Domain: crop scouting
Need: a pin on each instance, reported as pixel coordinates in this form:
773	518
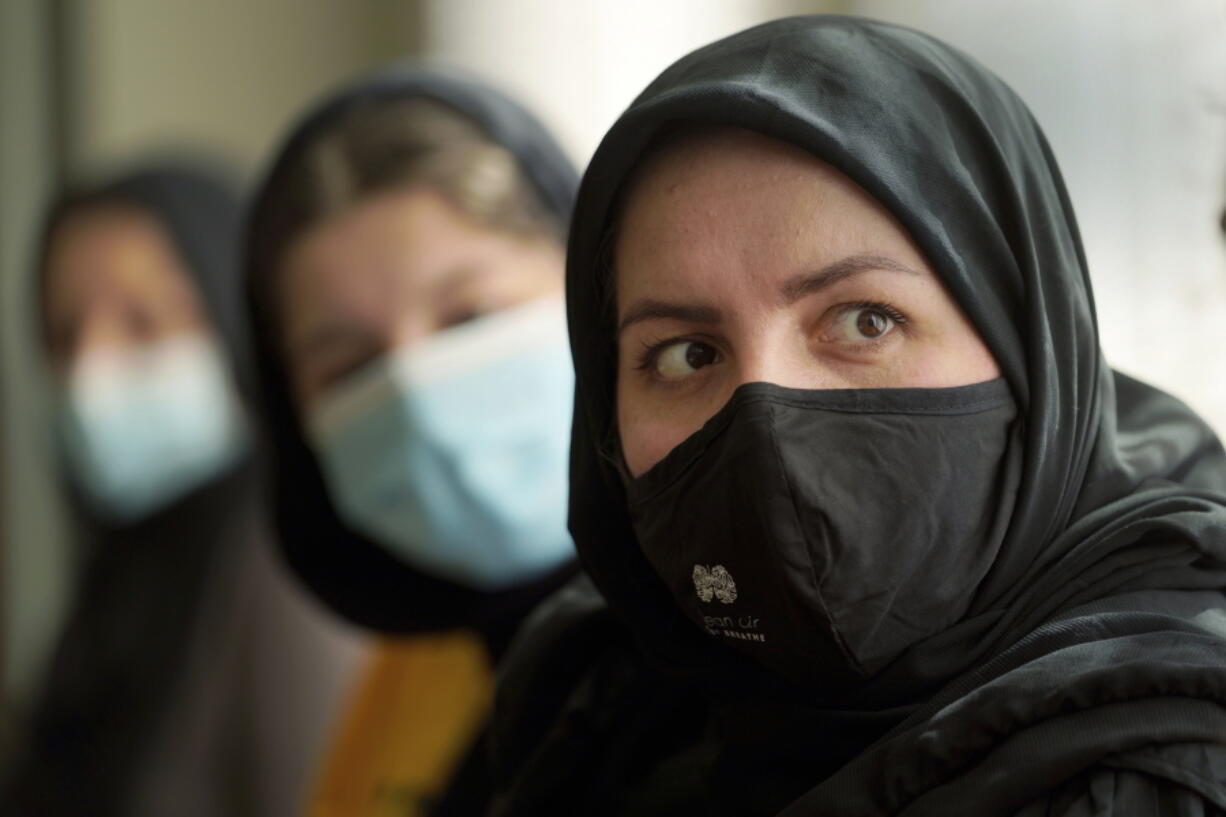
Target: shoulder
1180	780
1103	707
580	719
555	650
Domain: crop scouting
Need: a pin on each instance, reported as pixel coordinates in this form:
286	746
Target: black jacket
1088	673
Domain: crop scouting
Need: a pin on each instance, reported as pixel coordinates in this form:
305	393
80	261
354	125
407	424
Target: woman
167	691
878	530
405	275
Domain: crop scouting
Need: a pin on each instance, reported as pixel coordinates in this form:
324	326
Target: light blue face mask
453	454
145	427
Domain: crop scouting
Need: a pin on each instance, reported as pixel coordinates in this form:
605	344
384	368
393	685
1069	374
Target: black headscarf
1123	489
360	579
127	634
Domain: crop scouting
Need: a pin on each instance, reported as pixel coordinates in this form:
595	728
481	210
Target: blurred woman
405	268
878	530
176	687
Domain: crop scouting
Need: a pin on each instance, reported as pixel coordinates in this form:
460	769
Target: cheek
644	441
648	431
634	430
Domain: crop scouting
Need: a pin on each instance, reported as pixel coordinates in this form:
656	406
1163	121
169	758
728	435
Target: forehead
360	256
109	249
707	202
403	224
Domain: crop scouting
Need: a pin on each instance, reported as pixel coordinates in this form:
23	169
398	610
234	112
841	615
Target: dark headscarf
1123	489
360	579
119	659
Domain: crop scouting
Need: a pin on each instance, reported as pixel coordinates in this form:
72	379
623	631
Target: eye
867	322
341	370
461	317
677	359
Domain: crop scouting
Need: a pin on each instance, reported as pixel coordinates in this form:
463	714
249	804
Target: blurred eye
682	358
867	322
461	317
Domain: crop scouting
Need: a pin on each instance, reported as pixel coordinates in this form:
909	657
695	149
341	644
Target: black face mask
825	532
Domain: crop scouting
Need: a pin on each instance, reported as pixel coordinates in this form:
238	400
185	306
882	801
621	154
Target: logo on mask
715	582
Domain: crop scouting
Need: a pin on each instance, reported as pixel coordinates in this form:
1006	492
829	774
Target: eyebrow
791	291
649	309
327	335
807	283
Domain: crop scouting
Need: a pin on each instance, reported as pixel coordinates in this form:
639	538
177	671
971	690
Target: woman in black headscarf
164	694
878	530
405	267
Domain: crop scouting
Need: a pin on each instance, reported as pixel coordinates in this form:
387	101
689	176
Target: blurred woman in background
405	268
178	685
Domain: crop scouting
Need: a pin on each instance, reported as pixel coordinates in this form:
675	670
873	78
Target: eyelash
650	353
880	306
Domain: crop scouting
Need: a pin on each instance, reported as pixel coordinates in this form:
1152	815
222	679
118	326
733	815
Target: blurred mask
454	453
146	426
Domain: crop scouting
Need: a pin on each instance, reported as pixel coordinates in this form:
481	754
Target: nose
782	357
408	331
98	330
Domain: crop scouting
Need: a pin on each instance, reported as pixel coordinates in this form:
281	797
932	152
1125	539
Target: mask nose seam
831	627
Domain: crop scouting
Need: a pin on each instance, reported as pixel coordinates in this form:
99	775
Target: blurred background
1132	95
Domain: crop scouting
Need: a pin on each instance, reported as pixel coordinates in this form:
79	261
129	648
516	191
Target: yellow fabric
414	716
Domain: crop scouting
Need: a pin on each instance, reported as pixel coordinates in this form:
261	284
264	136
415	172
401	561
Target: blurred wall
31	553
225	74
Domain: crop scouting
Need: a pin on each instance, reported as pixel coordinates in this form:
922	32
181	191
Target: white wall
579	63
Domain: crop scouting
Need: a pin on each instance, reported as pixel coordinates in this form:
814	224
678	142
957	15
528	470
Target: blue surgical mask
453	453
143	427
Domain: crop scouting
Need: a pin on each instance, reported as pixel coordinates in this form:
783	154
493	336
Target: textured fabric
857	553
1101	615
416	712
363	581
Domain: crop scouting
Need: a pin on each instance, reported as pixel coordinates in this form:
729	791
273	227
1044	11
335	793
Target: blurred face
115	282
391	271
743	259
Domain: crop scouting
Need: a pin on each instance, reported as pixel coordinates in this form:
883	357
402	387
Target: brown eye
684	358
460	318
860	323
872	324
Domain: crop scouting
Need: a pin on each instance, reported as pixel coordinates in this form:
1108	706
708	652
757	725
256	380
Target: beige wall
31	587
224	73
